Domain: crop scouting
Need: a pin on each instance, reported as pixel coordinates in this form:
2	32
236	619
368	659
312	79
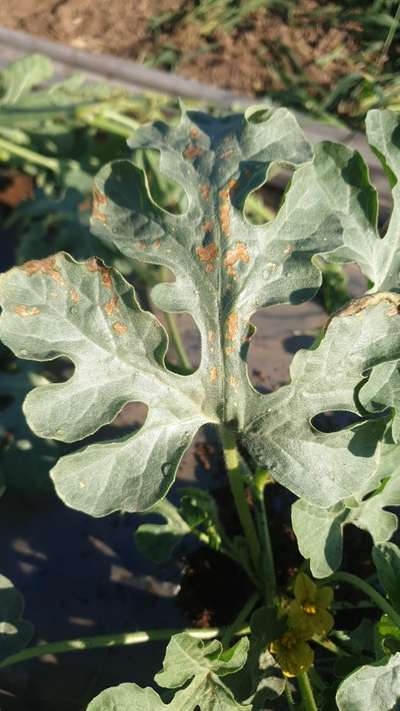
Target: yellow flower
308	612
292	653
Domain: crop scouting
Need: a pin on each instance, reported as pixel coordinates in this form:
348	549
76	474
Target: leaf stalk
113	640
366	588
261	480
306	691
232	463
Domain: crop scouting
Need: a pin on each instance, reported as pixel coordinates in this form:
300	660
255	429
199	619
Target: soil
256	56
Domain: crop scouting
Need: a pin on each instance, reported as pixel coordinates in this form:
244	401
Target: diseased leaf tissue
225	269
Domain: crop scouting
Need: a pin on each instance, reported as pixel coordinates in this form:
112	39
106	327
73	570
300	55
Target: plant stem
306	692
289	696
232	462
261	479
378	599
30	156
112	640
240	619
103	123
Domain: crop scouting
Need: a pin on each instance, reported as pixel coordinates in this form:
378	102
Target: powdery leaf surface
225	269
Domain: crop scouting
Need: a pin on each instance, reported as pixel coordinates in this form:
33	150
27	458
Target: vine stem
233	467
113	640
289	696
307	694
261	480
29	155
365	587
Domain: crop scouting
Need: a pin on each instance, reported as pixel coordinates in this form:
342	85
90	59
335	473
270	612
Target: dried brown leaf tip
356	306
46	266
95	265
239	253
24	311
208	255
99	203
119	328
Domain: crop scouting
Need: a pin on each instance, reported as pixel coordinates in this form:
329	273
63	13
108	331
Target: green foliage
223	274
387	562
373	686
158	541
187	215
197	666
319	531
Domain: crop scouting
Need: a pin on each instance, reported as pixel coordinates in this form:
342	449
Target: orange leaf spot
232	326
213	374
111	306
22	310
119	328
99	202
45	266
208	255
239	254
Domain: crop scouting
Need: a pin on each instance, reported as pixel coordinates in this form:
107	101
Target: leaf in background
381	391
225	269
387	636
386	557
339	179
201	666
261	679
158	541
15	633
373	686
319	532
28	107
18	78
49	225
199	510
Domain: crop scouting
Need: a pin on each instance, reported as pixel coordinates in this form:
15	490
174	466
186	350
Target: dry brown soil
252	58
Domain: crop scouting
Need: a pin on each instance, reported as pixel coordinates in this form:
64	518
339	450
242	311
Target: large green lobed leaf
198	665
225	269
